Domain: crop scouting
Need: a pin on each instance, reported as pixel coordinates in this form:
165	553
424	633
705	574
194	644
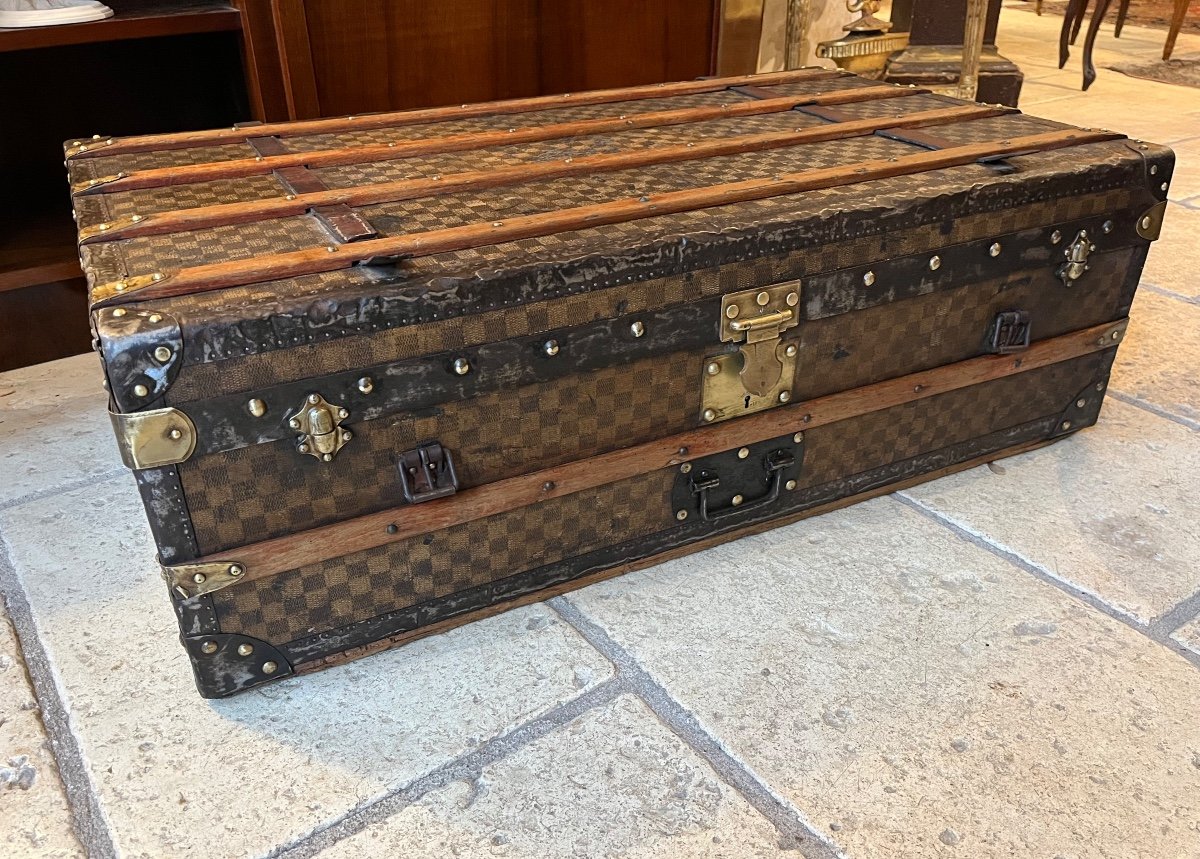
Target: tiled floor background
1001	663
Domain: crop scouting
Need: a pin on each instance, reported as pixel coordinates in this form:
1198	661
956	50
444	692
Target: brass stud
497	223
762	299
119	312
209	646
792	299
790	350
366	385
314	398
393	528
994	250
155	318
743	452
1056	237
347	435
331	248
270	667
175	434
102	227
343	414
1163	187
784	396
1099	386
245	649
462	366
1080	403
681	515
712	368
935	262
869	278
1145	223
294	423
135	218
550	347
303	448
685	468
140	390
1116	335
790	485
1066	425
289	196
120	285
236	570
1153	169
162	354
709	415
1107	227
736	500
327	457
199	578
732	311
637	329
798	437
156	277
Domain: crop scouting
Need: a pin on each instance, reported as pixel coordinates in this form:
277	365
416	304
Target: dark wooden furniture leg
1121	13
1074	9
1181	7
1077	24
1089	68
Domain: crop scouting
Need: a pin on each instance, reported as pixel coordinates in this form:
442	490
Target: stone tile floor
1005	662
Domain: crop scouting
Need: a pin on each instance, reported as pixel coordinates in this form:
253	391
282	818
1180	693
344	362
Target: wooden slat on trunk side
217	276
187	139
391	192
278	555
242	167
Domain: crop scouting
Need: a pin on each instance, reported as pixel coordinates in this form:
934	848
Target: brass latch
1077	258
320	426
760	374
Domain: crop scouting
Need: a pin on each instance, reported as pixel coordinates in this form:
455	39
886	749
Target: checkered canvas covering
362	585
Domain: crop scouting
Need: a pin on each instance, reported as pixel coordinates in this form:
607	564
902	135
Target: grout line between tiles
1167	293
1175	617
1092	599
467	767
1139	403
82	483
796	832
91	825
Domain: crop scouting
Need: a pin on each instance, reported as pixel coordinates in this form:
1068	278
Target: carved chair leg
1122	11
1064	52
1089	68
1181	7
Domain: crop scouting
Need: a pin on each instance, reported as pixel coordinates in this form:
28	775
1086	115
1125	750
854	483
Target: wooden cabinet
328	57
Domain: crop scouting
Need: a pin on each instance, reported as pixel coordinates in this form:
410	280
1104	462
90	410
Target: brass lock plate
761	373
319	424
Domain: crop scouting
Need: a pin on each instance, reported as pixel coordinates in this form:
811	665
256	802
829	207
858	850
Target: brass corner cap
154	438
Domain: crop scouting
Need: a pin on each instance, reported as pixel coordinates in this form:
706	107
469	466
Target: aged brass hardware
125	286
760	374
92	184
1077	258
319	424
154	438
427	472
1149	225
204	577
78	147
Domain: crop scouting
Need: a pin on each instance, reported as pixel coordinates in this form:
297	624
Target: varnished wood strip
211	137
271	557
206	278
237	168
298	203
543	594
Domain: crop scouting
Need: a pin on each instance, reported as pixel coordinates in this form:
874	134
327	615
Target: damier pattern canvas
268	490
365	584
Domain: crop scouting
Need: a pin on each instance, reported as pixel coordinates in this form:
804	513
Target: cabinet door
334	57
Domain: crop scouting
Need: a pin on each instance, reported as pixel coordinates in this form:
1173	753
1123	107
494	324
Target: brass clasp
320	426
760	374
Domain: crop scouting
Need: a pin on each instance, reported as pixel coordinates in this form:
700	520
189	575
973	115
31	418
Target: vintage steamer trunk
380	375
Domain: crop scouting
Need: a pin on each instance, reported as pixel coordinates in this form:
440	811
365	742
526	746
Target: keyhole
747	403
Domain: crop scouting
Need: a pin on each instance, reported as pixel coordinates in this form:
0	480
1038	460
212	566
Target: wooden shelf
38	250
133	19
